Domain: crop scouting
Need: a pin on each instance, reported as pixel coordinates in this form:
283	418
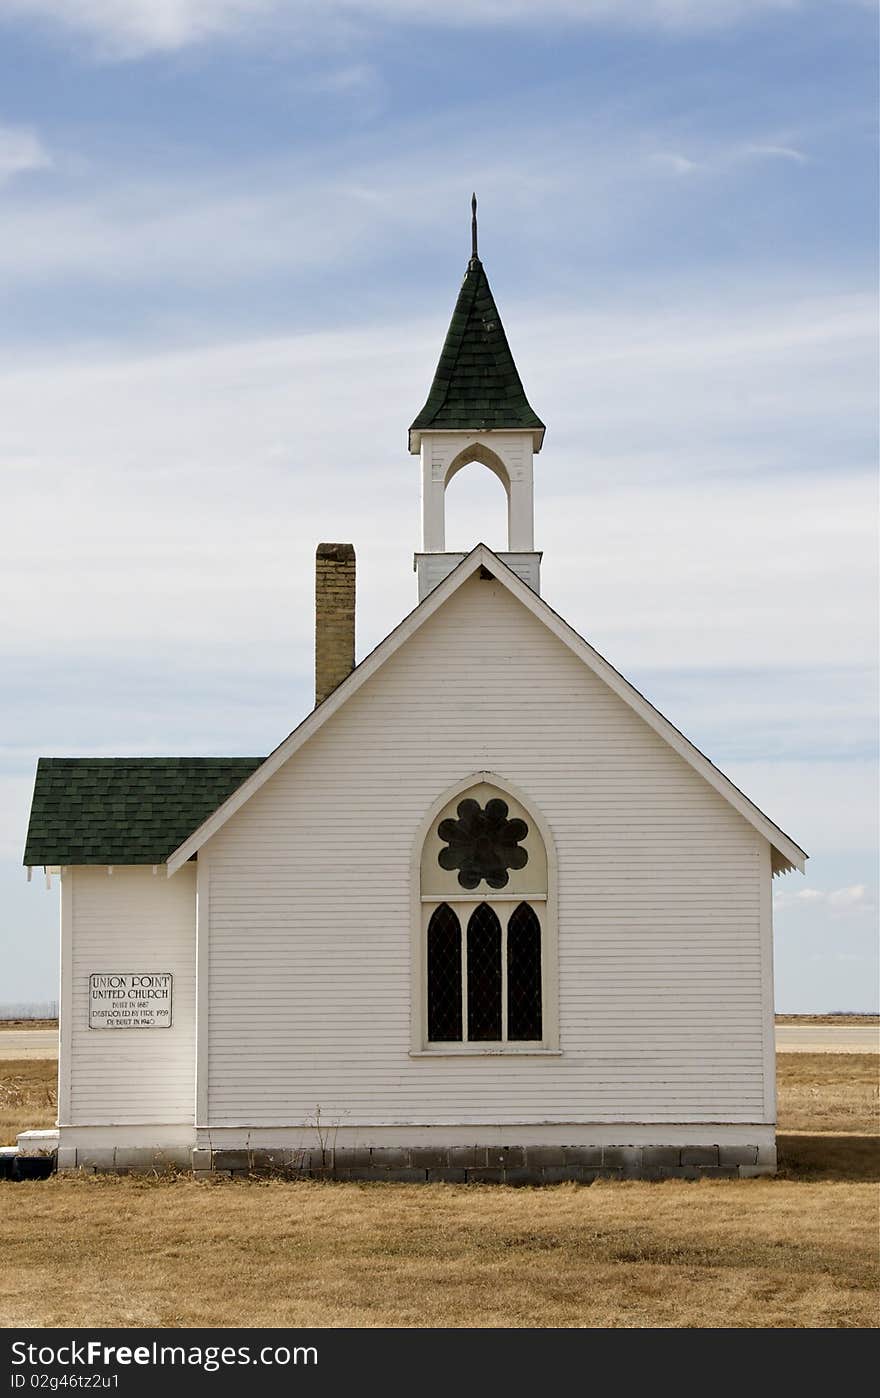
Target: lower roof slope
125	810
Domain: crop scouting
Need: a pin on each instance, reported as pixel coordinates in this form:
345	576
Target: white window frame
502	904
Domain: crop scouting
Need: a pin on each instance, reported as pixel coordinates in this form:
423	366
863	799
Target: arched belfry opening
476	411
485	456
477	501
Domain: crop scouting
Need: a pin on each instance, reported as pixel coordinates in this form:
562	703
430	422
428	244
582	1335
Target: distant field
28	1024
828	1092
28	1096
797	1251
780	1019
841	1019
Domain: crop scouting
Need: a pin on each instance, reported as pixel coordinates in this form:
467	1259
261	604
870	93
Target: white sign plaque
130	1000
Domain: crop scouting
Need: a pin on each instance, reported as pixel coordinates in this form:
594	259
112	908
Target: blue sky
231	235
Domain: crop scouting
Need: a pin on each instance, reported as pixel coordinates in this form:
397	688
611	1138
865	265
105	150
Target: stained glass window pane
444	975
524	1019
484	974
483	844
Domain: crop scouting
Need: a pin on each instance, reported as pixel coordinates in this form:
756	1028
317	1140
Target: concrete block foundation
425	1160
512	1165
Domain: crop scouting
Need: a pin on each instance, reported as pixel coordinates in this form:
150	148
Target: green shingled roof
476	386
125	810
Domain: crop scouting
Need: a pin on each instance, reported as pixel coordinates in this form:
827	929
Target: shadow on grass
828	1156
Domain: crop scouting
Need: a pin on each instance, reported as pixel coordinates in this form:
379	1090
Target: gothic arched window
444	974
524	1017
484	975
487	928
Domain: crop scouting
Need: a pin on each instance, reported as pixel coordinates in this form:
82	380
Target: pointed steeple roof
476	385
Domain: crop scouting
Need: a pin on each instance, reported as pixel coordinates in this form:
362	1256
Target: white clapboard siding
659	898
132	920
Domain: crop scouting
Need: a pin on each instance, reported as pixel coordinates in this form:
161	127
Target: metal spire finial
474	225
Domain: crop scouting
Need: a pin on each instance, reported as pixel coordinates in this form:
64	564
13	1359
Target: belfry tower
476	410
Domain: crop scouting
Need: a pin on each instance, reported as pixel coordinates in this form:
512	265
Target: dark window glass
444	975
484	974
483	844
524	974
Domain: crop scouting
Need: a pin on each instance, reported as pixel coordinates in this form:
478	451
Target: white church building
484	915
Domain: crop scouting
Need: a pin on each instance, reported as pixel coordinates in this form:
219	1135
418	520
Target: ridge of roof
790	855
476	385
148	761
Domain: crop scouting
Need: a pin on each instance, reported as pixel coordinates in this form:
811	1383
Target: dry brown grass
28	1095
828	1092
28	1024
123	1251
841	1019
796	1251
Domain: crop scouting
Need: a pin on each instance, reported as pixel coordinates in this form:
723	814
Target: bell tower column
510	456
521	509
433	503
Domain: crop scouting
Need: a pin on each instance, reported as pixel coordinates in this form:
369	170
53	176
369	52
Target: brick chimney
334	617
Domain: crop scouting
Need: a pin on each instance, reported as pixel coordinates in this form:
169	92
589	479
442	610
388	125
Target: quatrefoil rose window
483	843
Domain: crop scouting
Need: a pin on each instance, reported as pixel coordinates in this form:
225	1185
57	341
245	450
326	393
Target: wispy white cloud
260	216
677	164
21	150
852	900
249	431
851	897
350	78
726	157
771	152
829	807
131	28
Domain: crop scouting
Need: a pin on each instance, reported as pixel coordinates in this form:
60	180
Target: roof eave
789	855
415	435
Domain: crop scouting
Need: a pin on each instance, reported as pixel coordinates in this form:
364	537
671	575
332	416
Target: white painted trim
475	452
203	986
477	897
529	1133
768	1006
39	1142
163	1134
432	568
471	1050
483	557
416	434
65	1000
420	910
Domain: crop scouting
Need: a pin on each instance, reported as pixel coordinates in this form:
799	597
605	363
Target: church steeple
476	410
476	385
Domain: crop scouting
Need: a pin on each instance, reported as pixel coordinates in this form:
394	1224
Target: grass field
28	1095
28	1024
798	1251
846	1020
